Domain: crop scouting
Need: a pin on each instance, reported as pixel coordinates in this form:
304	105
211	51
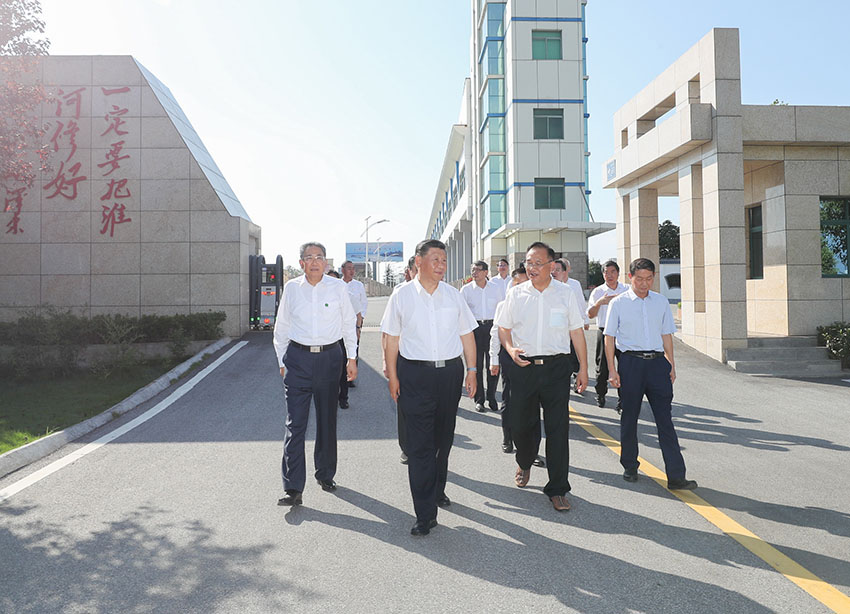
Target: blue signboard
389	251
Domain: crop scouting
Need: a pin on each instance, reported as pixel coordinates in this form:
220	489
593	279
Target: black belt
314	349
542	360
434	364
645	355
484	321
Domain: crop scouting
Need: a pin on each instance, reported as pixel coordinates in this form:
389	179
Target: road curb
20	457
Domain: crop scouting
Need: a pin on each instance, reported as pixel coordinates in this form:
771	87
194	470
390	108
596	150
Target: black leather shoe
479	407
343	404
327	485
630	475
403	458
600	400
619	408
423	527
494	407
443	501
539	462
681	484
507	447
292	497
351	385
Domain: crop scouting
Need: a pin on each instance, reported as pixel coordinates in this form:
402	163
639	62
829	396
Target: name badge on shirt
557	318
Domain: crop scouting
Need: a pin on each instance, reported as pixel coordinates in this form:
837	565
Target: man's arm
580	345
667	342
391	360
281	331
514	352
593	310
384	352
468	341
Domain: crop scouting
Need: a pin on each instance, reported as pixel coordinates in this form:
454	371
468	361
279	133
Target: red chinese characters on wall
67	178
14	203
116	187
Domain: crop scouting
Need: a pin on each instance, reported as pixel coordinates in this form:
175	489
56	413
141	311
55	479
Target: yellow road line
824	592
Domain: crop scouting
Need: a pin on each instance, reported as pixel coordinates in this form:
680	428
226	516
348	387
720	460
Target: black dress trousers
343	378
602	364
428	398
545	385
482	362
310	376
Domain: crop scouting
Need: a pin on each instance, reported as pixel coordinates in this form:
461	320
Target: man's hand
587	327
672	374
394	388
494	370
515	354
282	371
471	383
581	381
351	370
613	377
386	373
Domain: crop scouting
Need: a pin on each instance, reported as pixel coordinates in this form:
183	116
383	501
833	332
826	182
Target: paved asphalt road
180	515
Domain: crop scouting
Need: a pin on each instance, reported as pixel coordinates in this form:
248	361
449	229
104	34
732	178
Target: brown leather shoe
560	503
521	477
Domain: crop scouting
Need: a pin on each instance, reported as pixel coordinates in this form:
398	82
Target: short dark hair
612	263
423	246
565	264
542	245
311	244
501	260
344	263
333	273
411	263
482	265
639	264
518	271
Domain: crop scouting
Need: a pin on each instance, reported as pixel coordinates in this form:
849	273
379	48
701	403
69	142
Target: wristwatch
474	369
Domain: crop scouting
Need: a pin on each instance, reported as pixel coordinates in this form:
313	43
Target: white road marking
55	466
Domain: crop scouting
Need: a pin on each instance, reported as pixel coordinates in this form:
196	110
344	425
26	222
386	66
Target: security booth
266	282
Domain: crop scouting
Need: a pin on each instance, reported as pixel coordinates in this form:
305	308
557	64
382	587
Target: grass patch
30	410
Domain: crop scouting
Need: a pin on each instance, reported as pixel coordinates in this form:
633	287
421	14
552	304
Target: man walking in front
597	307
314	314
482	297
640	325
428	326
537	322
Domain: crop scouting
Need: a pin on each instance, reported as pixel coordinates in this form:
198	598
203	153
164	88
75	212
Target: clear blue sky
321	113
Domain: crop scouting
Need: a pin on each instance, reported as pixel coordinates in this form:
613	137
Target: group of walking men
438	341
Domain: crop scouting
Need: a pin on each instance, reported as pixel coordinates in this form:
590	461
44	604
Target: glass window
755	252
496	20
493	136
546	45
493	174
549	194
548	123
834	227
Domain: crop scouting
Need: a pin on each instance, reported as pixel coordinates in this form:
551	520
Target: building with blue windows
516	164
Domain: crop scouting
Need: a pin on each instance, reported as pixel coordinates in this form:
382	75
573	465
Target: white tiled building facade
134	217
516	164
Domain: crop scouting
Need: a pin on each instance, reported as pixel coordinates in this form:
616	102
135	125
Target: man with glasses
482	297
314	314
428	327
536	324
640	325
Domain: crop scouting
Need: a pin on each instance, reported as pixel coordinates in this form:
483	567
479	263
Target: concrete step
783	342
783	368
793	354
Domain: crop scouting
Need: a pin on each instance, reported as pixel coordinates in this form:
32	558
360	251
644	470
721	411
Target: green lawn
31	410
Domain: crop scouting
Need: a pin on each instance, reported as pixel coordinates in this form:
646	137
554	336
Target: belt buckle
538	361
315	349
439	364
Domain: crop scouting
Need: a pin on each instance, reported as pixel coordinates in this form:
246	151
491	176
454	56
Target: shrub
836	337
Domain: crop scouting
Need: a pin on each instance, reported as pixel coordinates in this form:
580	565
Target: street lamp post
378	259
366	232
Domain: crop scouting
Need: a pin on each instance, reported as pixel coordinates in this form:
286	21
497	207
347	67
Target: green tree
668	240
22	150
594	274
389	276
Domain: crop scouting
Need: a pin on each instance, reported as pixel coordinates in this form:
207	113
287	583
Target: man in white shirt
537	323
359	302
561	270
640	325
482	297
314	314
597	307
502	279
428	326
